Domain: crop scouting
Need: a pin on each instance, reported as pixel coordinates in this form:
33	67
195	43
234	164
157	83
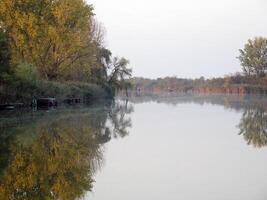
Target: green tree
99	71
120	74
253	57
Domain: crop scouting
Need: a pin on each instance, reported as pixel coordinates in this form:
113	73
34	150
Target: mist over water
187	147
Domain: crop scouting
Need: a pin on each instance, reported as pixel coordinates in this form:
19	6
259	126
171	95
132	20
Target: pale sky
183	38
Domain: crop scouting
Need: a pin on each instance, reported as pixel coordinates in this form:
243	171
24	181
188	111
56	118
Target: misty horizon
186	39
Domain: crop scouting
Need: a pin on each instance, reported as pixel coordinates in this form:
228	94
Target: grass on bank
25	84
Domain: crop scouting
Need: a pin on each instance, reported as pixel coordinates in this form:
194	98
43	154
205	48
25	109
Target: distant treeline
55	48
252	79
201	85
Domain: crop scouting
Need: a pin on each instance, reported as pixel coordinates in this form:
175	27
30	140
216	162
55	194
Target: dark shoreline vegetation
55	49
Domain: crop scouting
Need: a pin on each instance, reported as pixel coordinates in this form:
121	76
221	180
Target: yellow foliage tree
54	35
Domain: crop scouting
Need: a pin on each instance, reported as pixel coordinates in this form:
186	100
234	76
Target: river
186	147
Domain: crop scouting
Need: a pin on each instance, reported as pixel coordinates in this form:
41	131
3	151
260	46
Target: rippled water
192	147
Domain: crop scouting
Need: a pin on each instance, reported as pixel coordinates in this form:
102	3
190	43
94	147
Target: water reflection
56	155
253	122
253	126
120	120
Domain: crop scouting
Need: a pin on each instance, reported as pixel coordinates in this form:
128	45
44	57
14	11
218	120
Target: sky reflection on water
198	147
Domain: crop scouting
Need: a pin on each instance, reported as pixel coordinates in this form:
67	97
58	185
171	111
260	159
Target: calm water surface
206	148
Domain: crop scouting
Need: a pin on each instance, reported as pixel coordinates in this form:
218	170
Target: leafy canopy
253	57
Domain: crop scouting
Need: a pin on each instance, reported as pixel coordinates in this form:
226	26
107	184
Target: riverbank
17	91
233	89
237	84
43	55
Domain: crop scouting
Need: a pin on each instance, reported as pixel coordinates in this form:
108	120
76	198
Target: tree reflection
253	126
119	119
253	123
57	158
59	164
